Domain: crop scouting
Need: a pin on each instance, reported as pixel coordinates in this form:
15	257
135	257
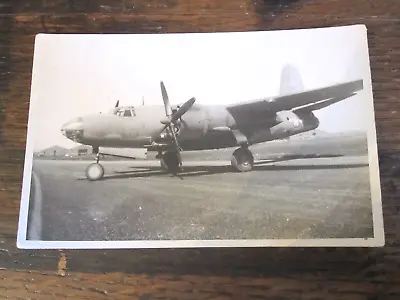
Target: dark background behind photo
271	273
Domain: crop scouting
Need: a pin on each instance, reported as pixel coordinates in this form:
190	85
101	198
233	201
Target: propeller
179	113
168	109
173	117
116	104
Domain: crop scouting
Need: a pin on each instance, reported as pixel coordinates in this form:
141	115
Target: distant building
81	150
54	151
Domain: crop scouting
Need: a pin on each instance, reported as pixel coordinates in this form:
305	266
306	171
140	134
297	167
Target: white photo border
377	214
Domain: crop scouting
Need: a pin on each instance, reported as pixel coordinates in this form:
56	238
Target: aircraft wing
308	100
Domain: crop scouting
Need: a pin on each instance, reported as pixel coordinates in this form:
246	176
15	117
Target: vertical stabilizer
291	81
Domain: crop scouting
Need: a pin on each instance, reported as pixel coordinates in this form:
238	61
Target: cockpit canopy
127	111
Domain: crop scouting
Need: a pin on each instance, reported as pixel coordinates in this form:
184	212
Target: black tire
170	162
242	160
94	172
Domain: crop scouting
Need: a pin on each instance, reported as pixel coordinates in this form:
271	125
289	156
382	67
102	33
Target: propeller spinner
173	117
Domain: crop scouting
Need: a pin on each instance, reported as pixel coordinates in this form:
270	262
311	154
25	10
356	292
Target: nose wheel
242	160
95	171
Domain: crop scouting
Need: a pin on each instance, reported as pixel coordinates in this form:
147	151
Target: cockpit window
126	112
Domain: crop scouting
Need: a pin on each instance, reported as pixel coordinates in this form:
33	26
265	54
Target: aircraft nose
73	129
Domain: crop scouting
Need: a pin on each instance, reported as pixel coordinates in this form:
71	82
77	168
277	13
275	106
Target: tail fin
291	81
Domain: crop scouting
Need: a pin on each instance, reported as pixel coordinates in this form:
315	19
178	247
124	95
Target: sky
81	74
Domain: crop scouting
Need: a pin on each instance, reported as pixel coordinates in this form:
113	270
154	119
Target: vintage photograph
234	139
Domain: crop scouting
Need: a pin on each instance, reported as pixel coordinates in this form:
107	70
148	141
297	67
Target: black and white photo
234	139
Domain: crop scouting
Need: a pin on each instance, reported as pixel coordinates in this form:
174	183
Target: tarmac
293	192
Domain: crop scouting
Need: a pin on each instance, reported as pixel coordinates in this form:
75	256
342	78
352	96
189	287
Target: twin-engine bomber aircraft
170	130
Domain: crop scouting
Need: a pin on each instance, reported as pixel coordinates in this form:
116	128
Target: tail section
291	81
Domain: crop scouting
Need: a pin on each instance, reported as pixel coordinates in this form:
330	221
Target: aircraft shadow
260	165
299	156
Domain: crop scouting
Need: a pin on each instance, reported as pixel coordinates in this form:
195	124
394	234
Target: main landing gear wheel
242	160
170	162
94	171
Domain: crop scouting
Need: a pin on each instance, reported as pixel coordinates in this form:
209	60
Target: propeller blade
183	110
166	125
116	104
172	118
167	106
178	148
177	115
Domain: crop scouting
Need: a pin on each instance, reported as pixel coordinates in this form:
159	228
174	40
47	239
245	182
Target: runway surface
314	195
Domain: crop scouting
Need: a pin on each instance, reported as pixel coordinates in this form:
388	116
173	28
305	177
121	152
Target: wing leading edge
308	100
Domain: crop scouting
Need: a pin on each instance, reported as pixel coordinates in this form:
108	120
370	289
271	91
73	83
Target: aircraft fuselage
201	128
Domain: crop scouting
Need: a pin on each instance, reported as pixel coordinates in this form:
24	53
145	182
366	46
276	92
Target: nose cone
73	130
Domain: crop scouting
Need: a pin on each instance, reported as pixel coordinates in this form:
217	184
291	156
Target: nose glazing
73	130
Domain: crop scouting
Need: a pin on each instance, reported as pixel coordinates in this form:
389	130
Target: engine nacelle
290	123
